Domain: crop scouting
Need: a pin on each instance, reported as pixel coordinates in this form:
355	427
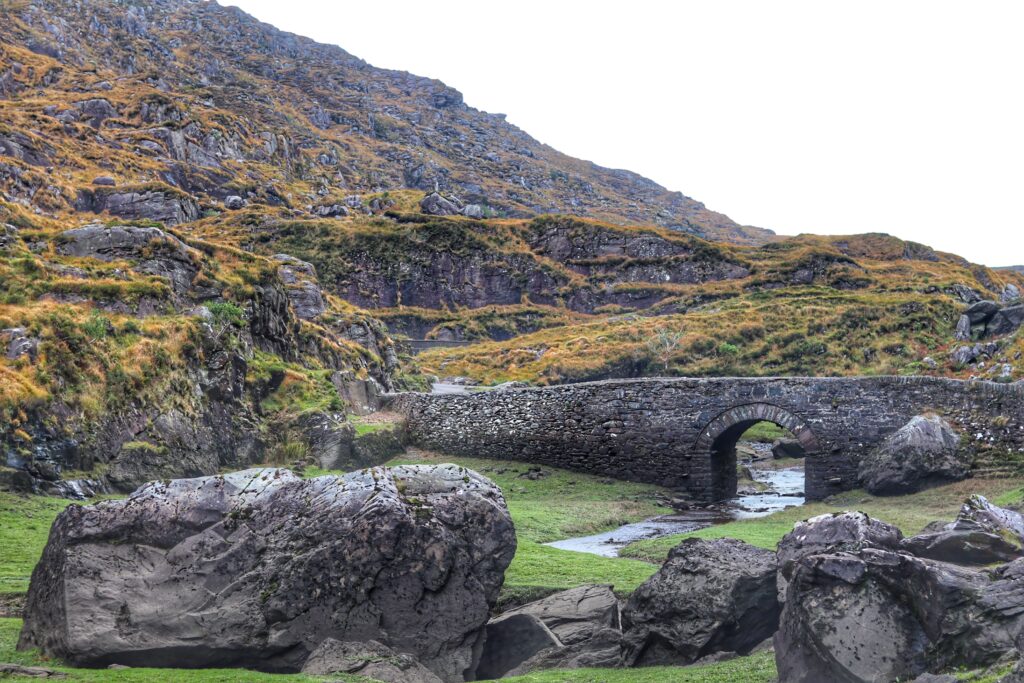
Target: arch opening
720	438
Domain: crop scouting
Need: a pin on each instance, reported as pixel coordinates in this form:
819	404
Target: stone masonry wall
662	430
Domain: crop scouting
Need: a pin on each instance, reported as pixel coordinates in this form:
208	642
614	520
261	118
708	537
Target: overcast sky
901	117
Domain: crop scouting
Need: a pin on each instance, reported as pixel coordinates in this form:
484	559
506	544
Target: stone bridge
683	432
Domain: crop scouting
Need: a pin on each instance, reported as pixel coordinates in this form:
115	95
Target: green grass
765	431
24	527
756	668
559	505
910	513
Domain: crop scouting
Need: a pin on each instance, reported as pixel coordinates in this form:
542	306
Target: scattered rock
473	211
233	202
368	659
924	451
256	568
104	181
788	448
709	596
11	670
1010	293
330	210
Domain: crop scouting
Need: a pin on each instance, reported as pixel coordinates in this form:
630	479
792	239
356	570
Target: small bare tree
663	344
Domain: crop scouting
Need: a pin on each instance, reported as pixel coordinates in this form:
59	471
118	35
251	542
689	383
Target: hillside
205	100
213	247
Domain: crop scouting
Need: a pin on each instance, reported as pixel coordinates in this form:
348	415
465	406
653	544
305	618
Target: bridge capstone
681	432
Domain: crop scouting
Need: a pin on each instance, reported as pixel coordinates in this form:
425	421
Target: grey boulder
923	452
583	622
982	534
874	614
1006	321
788	448
709	596
436	205
369	660
256	568
233	202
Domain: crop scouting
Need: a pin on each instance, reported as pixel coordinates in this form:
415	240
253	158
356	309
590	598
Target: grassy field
24	525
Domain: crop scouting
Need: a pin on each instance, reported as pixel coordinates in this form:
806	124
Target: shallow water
785	488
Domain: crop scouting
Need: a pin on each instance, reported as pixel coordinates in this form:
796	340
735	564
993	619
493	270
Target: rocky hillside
183	104
216	238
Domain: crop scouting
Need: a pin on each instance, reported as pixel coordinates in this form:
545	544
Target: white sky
828	117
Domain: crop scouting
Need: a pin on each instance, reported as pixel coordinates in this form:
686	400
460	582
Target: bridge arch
721	434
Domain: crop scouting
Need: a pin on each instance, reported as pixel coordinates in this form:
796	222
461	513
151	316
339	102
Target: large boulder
875	614
370	660
709	596
924	451
982	534
257	568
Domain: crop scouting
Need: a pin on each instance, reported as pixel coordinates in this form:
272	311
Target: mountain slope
214	103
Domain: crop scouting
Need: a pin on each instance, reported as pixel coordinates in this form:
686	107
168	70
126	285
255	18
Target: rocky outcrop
866	610
982	534
986	319
303	286
153	251
165	206
709	596
368	659
924	451
258	567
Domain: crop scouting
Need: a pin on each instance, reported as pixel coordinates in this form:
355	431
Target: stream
784	488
